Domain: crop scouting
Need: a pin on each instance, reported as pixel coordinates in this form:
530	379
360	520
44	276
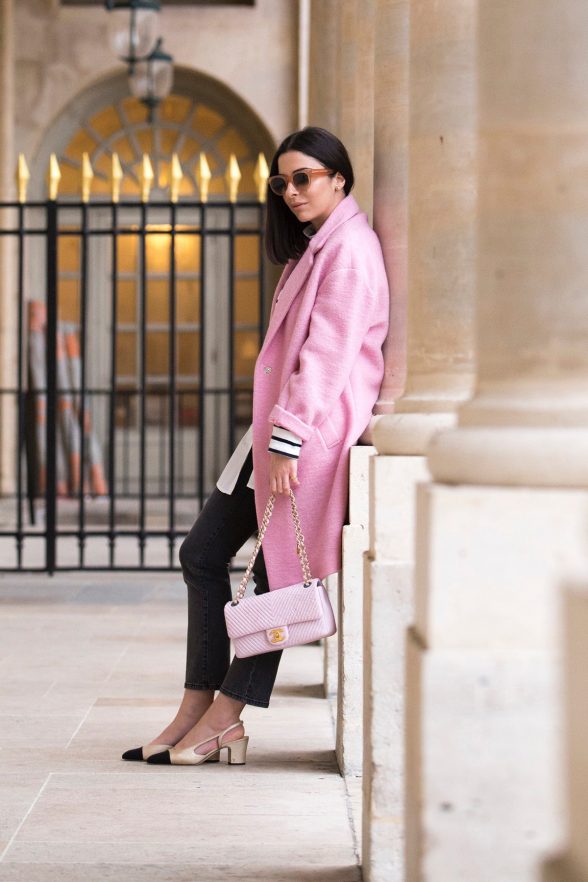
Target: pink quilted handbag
284	617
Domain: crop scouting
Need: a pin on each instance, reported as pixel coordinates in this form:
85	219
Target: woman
316	380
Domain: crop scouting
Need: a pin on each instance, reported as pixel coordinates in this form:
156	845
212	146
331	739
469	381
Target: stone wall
60	52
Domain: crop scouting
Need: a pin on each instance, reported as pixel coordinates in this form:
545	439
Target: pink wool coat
318	374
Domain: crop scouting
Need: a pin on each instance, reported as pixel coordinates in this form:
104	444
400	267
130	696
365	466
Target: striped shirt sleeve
285	442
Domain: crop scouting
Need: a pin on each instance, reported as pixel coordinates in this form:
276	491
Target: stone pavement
93	664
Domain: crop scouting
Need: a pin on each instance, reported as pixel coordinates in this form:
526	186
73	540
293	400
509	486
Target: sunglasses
301	179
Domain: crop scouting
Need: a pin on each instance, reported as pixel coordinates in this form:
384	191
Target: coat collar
294	280
346	209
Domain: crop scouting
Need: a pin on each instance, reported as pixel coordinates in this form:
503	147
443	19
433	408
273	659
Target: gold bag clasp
277	635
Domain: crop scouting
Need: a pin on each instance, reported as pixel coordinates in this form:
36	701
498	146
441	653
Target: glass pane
134	110
145	141
68	259
157	354
167	141
128	254
246	349
80	142
188	409
158	247
174	108
69	300
157	301
106	123
206	122
124	149
71	180
232	142
246	254
126	312
189	150
188	301
188	353
188	253
126	354
246	301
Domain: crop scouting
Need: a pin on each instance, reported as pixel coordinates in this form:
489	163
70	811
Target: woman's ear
339	181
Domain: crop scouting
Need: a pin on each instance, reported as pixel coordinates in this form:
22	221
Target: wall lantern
134	28
152	78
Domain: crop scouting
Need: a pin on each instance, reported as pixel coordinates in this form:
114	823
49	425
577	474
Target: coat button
267	370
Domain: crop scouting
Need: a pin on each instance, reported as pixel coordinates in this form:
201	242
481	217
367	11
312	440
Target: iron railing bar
51	396
172	374
231	347
202	359
84	440
20	428
142	377
112	411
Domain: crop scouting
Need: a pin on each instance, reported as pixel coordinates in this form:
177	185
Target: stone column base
484	701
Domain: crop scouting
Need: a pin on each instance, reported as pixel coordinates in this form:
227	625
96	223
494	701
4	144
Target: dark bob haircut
284	238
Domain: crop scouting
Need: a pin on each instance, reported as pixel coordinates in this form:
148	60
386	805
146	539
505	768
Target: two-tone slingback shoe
187	756
139	754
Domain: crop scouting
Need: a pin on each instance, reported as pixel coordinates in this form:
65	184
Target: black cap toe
162	759
136	753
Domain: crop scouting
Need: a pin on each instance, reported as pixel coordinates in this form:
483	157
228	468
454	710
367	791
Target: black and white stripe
285	442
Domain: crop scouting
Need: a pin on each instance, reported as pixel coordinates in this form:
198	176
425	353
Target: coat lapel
294	282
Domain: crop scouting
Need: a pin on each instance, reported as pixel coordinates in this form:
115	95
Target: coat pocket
329	432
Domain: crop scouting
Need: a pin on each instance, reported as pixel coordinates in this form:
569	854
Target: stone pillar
573	865
390	181
440	160
342	83
485	714
349	744
7	263
330	644
527	423
441	224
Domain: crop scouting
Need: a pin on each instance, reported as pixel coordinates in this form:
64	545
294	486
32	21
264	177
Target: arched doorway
200	115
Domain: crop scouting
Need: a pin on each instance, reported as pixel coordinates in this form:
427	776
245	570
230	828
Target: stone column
7	264
426	130
390	182
572	866
441	224
485	707
342	83
527	423
355	541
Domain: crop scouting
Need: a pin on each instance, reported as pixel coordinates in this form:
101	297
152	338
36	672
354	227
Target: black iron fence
137	329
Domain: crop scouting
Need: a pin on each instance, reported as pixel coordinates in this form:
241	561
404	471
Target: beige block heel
237	751
189	757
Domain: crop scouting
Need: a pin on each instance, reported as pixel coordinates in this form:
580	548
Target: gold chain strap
300	545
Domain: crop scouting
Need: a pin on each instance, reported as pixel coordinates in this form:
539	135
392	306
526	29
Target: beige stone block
388	612
490	562
359	483
485	730
576	692
331	644
349	743
392	505
559	869
242	871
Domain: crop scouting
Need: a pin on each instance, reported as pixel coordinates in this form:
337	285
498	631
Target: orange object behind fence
70	448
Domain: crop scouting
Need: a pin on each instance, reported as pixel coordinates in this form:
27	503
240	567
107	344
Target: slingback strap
219	735
300	546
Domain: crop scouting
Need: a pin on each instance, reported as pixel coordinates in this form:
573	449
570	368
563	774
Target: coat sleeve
341	317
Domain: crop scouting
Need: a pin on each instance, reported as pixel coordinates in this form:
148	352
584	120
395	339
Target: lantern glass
133	31
151	79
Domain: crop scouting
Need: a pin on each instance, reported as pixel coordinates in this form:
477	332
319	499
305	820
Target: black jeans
223	526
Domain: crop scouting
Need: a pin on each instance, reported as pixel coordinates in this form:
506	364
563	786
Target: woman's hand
283	473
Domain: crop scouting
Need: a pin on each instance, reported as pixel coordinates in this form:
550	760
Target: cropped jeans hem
234	695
